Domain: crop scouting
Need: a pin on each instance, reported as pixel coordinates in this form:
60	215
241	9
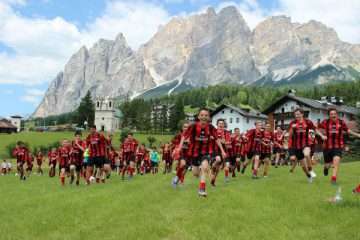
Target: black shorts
107	161
265	155
329	154
196	161
278	150
298	153
154	164
97	161
250	155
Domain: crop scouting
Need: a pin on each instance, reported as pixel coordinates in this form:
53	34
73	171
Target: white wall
244	123
106	119
16	122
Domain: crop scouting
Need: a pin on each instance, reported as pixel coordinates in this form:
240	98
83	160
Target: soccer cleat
326	171
202	193
310	179
175	181
77	183
313	174
243	170
227	179
333	182
254	176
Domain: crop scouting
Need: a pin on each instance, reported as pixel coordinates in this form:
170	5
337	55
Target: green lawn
284	206
35	139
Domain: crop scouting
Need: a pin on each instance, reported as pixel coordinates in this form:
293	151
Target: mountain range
200	50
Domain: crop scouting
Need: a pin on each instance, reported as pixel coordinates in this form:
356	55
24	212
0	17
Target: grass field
283	206
35	139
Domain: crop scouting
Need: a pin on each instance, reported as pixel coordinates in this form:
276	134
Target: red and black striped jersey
278	139
254	137
267	140
53	157
64	156
76	155
225	137
21	154
97	145
129	145
202	139
299	134
335	131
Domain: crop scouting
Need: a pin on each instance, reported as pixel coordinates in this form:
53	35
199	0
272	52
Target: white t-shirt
3	165
9	165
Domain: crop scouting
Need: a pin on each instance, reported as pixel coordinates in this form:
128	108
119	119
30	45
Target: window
109	104
283	110
247	120
97	104
223	112
103	118
230	120
231	111
237	120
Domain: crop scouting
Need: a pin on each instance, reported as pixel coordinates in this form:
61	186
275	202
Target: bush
10	148
151	141
124	133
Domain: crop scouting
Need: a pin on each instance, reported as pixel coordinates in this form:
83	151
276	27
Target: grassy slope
38	138
284	206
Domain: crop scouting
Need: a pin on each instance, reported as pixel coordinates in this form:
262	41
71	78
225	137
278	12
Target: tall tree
86	111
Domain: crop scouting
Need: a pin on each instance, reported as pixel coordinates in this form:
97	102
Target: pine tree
86	111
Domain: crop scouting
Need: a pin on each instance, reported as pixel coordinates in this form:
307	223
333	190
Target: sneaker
254	176
326	171
175	181
313	174
310	179
202	193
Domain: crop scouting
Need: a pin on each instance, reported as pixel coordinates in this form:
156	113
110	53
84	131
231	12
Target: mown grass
36	139
283	206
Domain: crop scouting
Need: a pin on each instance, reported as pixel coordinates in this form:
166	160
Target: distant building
159	111
106	116
281	112
235	117
7	127
16	121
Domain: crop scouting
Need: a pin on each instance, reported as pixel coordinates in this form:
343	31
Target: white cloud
43	46
343	16
33	95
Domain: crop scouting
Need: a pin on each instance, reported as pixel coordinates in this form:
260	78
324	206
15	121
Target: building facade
281	112
16	121
106	118
237	118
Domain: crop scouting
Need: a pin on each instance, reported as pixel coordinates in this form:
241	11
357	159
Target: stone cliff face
205	49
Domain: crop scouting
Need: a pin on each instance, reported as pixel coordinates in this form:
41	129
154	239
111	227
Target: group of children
205	149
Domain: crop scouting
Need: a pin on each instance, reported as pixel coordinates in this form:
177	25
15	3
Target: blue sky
37	37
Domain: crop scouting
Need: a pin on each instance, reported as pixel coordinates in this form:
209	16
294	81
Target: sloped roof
312	104
243	112
6	124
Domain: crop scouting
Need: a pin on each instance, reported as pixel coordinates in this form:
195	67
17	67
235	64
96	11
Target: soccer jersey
254	137
21	154
202	139
335	131
97	145
266	142
299	134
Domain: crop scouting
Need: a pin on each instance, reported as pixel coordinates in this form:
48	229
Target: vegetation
283	206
